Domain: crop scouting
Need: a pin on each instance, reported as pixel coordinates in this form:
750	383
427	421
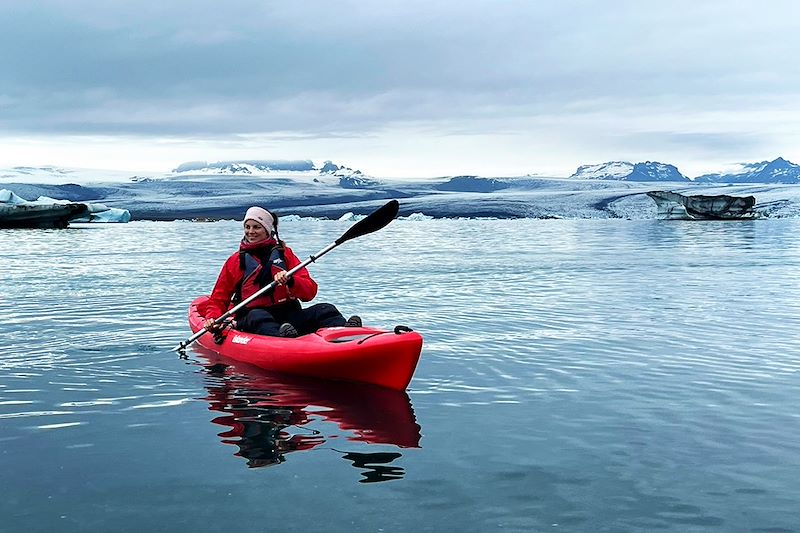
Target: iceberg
417	217
94	212
45	212
675	206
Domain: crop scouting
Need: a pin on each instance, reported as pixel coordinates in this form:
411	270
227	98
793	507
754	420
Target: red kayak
368	355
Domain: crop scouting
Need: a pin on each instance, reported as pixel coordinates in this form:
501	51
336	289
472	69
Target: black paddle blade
374	221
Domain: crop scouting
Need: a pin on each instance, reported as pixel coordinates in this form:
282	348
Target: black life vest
258	271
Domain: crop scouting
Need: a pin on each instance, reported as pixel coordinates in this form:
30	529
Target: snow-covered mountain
254	166
625	171
613	170
328	173
776	171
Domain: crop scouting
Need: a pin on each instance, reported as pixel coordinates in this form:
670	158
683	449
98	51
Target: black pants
268	321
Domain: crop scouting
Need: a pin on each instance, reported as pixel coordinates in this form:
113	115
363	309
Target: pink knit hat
262	216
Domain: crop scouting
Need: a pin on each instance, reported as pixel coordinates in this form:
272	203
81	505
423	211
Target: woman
261	259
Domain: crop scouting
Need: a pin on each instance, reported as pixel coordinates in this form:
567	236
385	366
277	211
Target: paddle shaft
230	312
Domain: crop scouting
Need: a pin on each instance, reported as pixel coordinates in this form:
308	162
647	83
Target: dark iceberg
675	206
45	212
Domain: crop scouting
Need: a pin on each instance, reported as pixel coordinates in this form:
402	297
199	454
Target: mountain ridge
779	170
626	171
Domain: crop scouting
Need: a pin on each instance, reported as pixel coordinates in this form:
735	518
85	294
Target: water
577	375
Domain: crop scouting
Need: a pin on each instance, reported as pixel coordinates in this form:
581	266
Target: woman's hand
281	278
211	325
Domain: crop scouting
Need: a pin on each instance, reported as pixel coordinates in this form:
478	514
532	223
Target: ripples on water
589	375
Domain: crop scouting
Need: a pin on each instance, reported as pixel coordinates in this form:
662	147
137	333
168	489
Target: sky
400	88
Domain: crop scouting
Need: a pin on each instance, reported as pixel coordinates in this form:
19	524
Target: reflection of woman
261	259
261	436
258	409
257	429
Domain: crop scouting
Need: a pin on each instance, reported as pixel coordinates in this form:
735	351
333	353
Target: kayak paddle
373	222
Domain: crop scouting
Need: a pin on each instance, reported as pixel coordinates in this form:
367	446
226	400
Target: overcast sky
400	88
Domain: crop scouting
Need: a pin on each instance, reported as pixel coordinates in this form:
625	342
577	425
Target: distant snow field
224	190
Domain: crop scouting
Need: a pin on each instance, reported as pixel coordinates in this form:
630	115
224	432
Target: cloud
343	69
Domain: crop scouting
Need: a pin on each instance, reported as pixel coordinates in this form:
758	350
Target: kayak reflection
270	415
374	464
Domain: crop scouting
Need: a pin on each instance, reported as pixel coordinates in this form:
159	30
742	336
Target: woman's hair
277	236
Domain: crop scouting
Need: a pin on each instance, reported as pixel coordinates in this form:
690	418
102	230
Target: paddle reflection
268	416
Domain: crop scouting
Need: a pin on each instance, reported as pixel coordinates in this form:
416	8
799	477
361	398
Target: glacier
225	190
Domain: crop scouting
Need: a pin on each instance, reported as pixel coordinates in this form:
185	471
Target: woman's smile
254	232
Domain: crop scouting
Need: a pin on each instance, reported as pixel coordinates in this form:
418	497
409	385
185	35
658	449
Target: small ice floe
417	216
296	218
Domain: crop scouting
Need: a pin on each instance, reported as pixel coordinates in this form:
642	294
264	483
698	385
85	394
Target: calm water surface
590	375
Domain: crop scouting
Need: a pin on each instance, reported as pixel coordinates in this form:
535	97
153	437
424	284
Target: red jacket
302	286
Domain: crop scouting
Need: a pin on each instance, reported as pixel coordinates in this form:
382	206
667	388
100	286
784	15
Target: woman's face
254	232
